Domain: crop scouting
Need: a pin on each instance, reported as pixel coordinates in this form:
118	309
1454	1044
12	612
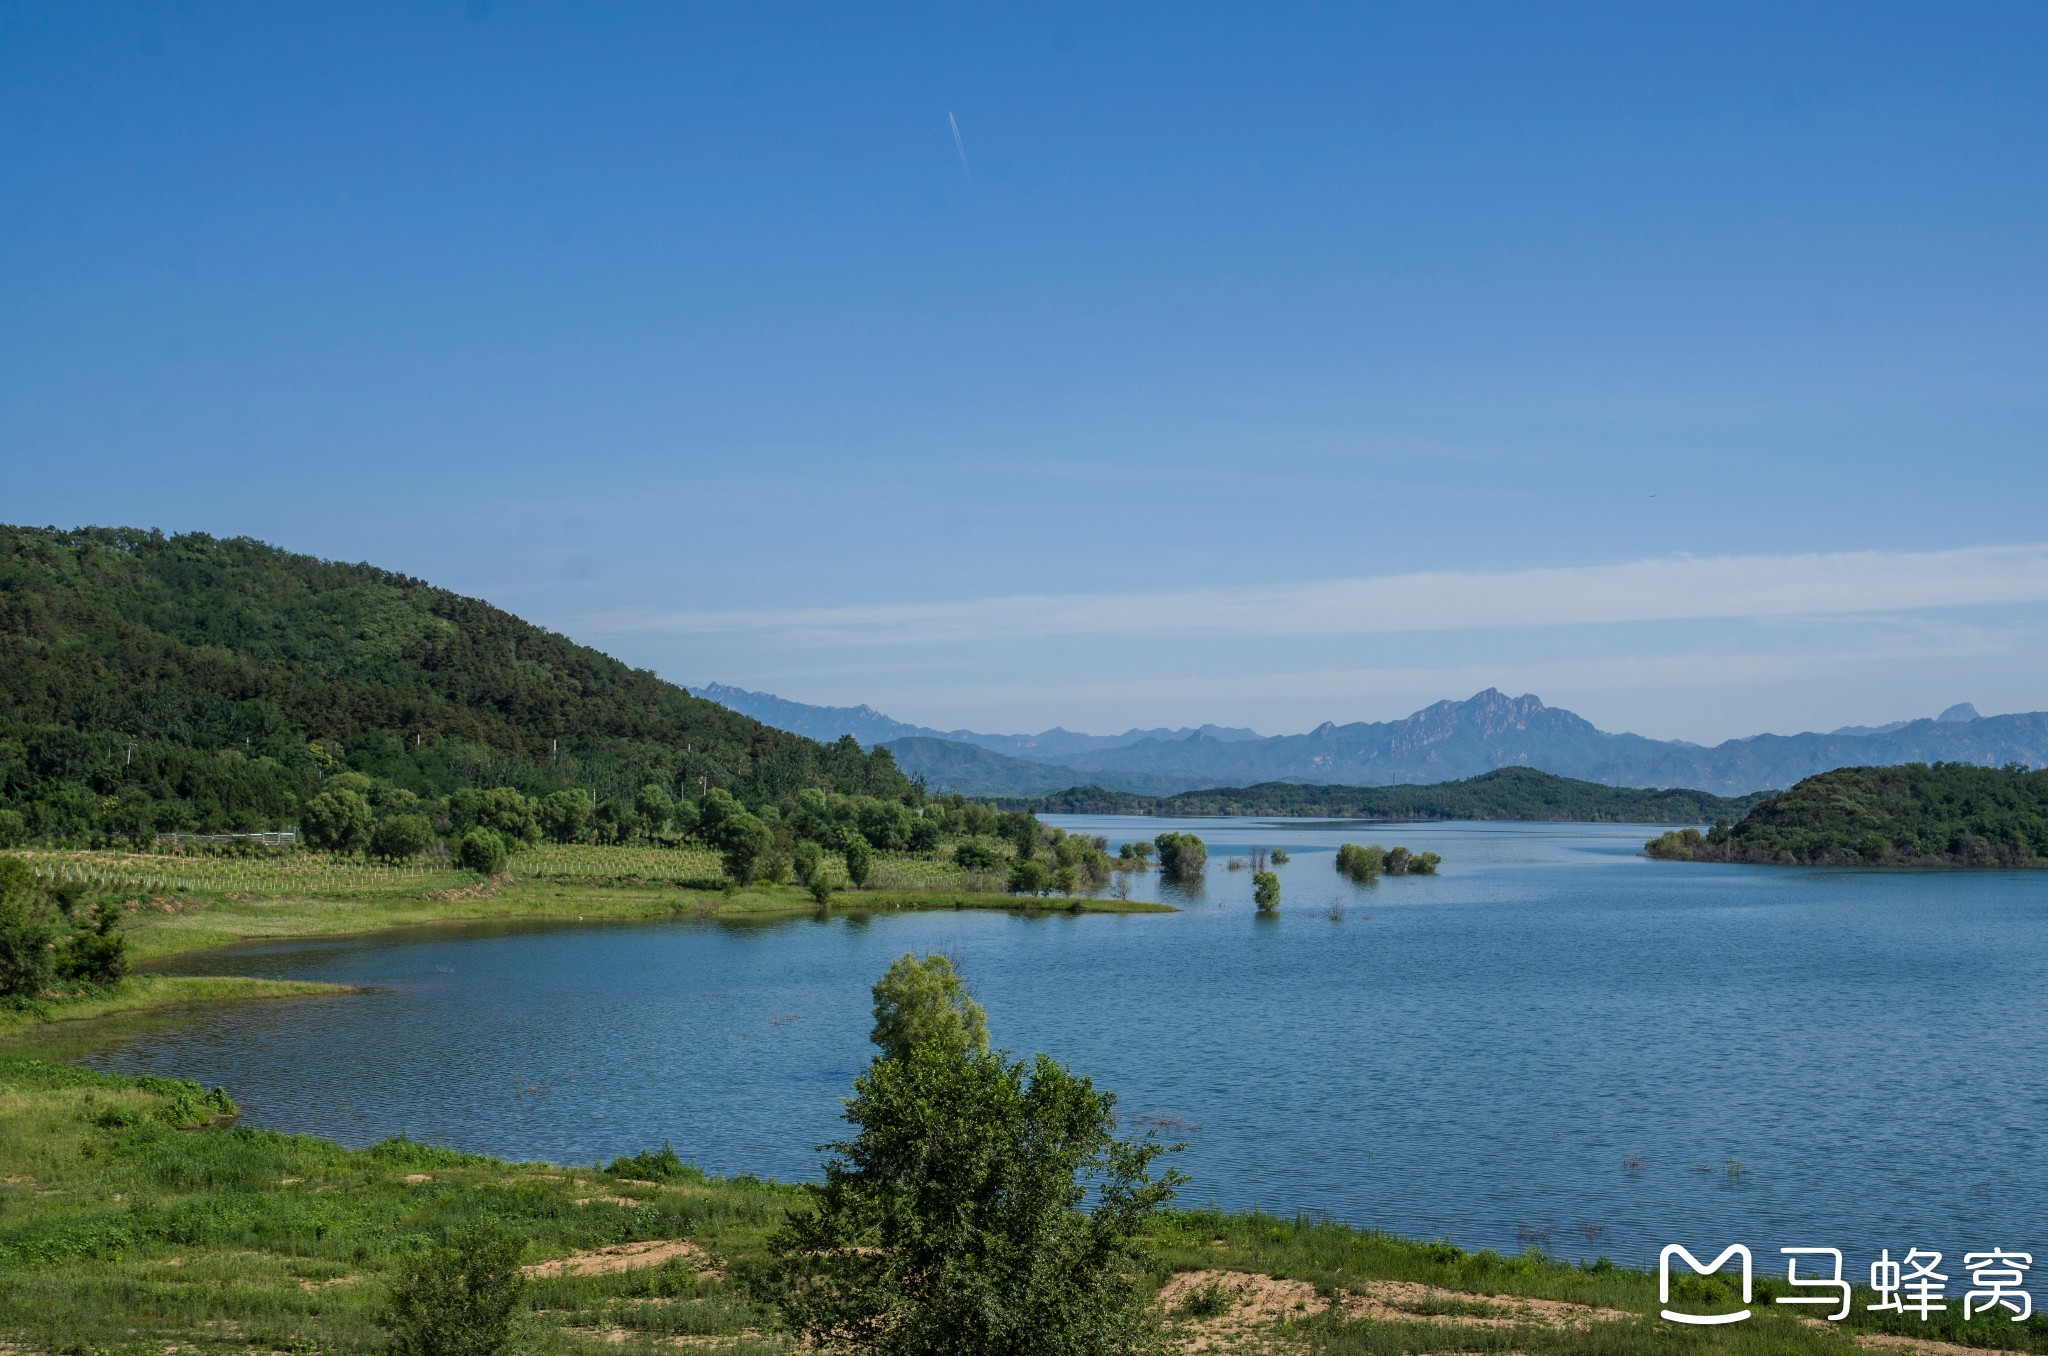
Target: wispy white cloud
1671	589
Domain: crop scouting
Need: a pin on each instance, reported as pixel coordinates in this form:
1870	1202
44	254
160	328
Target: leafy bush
1181	854
457	1299
336	820
481	851
956	1221
27	965
1029	878
564	815
922	1001
1266	891
656	1165
860	860
807	860
400	838
743	841
972	856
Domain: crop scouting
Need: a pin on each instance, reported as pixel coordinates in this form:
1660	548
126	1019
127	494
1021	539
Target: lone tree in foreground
984	1205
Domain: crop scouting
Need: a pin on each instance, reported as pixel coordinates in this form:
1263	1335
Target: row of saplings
984	1206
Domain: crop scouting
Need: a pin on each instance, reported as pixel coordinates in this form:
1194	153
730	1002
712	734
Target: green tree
960	1219
1182	854
656	808
336	821
1020	828
860	860
921	1000
1266	891
1029	878
481	851
400	838
97	950
742	841
565	815
13	829
808	860
27	965
458	1299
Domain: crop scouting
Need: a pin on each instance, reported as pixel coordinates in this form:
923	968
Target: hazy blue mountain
1440	743
951	765
1463	739
871	727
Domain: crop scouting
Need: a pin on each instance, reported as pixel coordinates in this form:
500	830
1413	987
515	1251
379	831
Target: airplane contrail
959	145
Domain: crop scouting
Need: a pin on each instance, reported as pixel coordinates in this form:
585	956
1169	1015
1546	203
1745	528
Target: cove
1556	1041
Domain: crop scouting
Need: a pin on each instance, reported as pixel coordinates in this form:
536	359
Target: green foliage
743	841
1021	830
13	829
922	1001
807	859
1266	891
1510	793
1917	814
860	860
27	964
976	857
655	806
401	838
655	1165
1030	878
504	810
959	1220
481	851
337	820
152	683
821	889
564	815
1279	856
1181	854
1368	861
458	1298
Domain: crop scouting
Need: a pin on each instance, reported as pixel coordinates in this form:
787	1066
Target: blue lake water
1555	1040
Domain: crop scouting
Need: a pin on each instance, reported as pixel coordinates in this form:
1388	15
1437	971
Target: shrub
1266	891
27	965
98	951
481	851
1181	854
653	1165
860	860
1361	863
1397	861
1279	856
976	857
1029	878
13	829
922	1001
956	1222
565	815
401	838
1424	864
807	859
336	821
821	889
742	841
457	1299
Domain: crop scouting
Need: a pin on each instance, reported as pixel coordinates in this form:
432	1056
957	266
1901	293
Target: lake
1554	1041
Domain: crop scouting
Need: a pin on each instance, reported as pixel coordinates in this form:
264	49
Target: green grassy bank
125	1229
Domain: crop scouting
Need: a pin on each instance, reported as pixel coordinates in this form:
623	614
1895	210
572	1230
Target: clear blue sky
689	331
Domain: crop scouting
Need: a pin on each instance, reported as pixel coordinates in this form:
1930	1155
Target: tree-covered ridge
195	683
1508	793
1917	814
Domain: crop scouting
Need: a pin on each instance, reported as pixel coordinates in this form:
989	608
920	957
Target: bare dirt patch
627	1201
625	1257
1253	1302
1912	1346
417	1177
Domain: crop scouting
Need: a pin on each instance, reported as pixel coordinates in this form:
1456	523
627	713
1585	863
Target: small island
1916	814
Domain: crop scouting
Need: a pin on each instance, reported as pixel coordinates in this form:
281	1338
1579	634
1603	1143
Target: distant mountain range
1444	742
870	727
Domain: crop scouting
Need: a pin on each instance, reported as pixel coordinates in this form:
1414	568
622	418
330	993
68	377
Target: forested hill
1944	814
1508	793
206	683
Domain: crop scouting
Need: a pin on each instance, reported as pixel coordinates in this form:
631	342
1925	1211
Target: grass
124	1230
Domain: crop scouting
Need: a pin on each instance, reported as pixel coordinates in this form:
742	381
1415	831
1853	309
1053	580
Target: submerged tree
1266	891
1181	854
984	1206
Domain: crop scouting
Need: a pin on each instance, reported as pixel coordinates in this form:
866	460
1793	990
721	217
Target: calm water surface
1555	1040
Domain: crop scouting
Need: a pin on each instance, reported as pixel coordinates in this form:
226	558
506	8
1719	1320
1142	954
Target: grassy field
125	1230
183	903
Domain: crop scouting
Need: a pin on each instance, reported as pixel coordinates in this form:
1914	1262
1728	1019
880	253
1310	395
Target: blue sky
1248	354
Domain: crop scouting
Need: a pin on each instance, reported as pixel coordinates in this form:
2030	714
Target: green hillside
151	682
1916	814
1506	793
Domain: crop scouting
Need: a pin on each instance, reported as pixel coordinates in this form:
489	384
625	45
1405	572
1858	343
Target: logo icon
1704	1269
